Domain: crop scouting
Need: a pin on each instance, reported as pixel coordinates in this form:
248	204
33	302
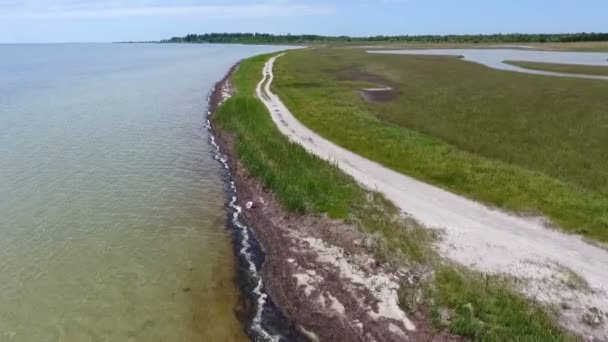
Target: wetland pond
495	58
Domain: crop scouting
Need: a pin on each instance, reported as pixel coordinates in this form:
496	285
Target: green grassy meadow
567	68
531	144
482	308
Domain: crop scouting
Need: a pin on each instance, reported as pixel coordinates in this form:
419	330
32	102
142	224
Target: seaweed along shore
261	319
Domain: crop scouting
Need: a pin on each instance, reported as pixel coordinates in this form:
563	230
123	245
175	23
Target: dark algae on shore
294	193
262	320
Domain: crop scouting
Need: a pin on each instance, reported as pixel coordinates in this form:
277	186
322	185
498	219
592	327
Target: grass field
482	308
526	143
567	68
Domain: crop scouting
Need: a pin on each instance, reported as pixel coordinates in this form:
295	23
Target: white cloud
62	9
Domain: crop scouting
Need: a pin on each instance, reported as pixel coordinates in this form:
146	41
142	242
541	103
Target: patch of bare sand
385	90
324	277
380	94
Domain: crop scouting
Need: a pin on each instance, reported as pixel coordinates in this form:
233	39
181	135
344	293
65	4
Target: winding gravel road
484	238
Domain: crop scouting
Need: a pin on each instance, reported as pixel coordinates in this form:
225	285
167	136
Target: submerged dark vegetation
480	307
265	38
526	143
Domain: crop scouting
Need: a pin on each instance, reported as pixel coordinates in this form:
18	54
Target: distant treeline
265	38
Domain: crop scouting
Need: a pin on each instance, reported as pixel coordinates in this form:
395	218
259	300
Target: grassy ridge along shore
480	307
521	142
565	68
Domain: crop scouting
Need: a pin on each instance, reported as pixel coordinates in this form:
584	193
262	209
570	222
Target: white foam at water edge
245	251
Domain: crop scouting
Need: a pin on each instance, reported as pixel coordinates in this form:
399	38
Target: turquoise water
112	218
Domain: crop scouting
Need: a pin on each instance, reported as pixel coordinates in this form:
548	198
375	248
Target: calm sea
112	218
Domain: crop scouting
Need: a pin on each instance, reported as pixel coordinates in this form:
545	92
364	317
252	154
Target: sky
38	21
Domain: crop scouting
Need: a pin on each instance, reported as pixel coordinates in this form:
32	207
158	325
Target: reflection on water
112	208
494	58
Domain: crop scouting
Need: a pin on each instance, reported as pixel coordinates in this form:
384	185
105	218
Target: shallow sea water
112	209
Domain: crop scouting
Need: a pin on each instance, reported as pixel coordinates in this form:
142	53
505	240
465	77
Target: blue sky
118	20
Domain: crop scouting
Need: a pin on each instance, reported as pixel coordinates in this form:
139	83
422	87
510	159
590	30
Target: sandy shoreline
260	318
320	272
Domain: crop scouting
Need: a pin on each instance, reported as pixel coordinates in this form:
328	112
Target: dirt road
557	268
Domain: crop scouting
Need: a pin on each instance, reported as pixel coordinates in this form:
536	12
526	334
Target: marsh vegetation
525	143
